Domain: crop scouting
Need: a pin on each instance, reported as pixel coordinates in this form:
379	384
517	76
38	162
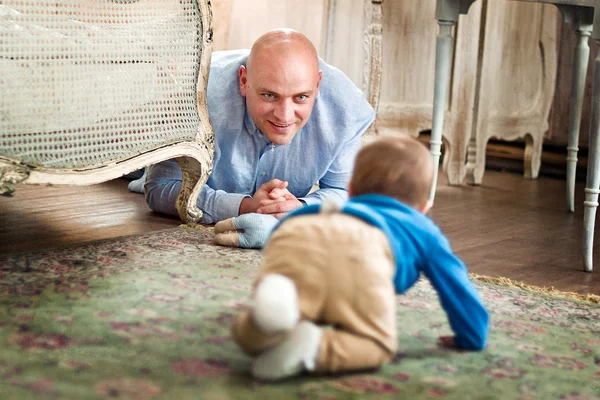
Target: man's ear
243	79
320	76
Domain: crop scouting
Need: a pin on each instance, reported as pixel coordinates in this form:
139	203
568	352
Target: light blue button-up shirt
322	152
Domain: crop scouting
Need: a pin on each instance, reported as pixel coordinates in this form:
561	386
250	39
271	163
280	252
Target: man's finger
277	207
263	203
225	226
231	239
278	192
274	183
290	196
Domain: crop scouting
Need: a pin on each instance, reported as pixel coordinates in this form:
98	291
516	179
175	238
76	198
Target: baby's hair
398	167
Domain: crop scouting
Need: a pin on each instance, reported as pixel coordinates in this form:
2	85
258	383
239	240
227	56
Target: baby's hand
447	342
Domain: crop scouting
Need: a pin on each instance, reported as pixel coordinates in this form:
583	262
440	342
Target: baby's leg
294	252
273	313
297	353
344	351
317	350
276	304
250	338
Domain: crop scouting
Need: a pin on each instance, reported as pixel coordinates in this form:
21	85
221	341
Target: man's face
280	93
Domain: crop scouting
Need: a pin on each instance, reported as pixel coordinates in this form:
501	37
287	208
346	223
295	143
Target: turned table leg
583	31
593	178
443	59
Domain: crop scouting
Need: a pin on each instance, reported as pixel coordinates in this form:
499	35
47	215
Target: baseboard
509	156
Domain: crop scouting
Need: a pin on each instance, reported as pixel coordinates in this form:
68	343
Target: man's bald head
280	82
283	43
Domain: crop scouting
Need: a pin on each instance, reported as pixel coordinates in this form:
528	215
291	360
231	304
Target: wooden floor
508	227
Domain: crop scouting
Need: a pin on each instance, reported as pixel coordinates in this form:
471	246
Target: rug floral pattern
148	317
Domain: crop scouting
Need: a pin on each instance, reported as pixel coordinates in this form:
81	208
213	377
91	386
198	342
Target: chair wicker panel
92	90
87	82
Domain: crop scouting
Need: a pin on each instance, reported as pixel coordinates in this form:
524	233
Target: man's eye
268	96
302	97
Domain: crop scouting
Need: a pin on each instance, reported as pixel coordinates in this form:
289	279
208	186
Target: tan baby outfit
343	269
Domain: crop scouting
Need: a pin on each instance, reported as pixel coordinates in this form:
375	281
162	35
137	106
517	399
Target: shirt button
263	174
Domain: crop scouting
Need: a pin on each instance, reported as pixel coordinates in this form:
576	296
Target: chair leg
454	163
196	169
580	63
593	178
533	155
476	159
374	46
443	58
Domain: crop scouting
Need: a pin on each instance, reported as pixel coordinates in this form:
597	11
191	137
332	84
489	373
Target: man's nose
284	111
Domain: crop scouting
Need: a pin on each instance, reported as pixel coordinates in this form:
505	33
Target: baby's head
399	167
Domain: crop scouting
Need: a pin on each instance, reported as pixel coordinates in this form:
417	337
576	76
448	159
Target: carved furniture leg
11	173
454	161
195	174
581	57
476	159
443	58
372	42
593	178
532	158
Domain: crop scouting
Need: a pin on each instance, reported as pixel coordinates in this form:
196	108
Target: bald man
283	120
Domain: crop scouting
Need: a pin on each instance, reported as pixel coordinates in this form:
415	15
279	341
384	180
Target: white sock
275	304
138	184
297	353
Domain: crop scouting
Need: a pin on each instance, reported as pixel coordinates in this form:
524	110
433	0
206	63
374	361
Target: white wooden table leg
443	58
583	31
593	178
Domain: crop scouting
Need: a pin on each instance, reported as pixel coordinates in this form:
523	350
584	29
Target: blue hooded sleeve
466	314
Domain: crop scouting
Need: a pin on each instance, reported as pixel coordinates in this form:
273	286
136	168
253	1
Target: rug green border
494	280
547	290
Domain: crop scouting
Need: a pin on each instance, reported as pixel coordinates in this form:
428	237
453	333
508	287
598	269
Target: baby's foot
297	353
275	307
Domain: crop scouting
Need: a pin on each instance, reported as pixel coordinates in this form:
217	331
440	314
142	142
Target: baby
325	298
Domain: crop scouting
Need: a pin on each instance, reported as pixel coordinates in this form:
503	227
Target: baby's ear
424	209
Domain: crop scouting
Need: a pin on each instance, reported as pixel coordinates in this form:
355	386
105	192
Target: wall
336	28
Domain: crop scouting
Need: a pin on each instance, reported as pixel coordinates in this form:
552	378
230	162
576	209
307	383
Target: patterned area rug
148	317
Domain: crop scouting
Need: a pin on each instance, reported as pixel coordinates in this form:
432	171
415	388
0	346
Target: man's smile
280	127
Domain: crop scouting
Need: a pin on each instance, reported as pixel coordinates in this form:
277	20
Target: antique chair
581	14
93	90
